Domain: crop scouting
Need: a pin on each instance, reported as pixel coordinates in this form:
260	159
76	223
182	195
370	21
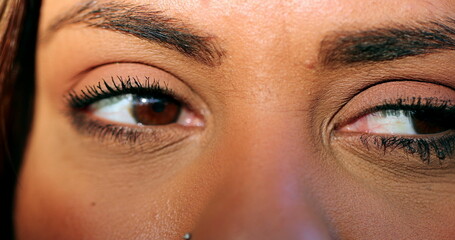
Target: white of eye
383	122
116	109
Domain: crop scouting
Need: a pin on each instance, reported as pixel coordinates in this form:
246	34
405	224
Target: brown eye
429	122
155	110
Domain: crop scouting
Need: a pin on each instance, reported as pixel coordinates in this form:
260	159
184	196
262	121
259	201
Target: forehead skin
263	171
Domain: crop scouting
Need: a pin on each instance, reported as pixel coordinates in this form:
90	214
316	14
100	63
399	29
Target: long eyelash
415	104
435	105
116	86
442	147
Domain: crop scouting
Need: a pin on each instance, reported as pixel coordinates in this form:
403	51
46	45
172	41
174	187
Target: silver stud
187	236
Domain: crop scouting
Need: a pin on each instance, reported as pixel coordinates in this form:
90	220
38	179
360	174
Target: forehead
284	14
263	37
293	23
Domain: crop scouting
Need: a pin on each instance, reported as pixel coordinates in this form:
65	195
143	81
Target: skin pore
265	149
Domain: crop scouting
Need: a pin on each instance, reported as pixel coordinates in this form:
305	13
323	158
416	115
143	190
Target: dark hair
18	32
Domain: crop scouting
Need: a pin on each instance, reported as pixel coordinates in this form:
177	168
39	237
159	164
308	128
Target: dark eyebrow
387	44
144	23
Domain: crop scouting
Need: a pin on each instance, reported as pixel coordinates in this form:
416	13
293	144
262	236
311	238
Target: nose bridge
263	194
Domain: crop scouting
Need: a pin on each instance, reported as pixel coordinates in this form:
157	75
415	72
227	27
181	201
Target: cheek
57	202
47	209
60	204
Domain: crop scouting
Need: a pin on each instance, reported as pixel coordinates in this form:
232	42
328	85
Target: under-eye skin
126	108
418	126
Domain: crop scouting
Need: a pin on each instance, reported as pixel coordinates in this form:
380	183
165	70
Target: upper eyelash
117	86
415	103
410	104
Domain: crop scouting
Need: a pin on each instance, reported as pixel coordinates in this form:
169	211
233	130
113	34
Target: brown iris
430	122
155	110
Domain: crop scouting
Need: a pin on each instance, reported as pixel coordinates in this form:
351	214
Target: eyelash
130	85
78	102
441	146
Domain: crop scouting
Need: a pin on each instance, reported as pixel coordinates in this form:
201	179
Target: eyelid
143	73
96	84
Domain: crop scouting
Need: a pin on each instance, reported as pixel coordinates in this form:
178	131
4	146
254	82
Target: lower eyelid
102	132
391	165
433	149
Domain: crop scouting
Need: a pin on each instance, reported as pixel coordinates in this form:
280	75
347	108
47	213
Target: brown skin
268	164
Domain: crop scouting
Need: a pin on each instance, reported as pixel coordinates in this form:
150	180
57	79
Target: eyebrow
386	44
144	23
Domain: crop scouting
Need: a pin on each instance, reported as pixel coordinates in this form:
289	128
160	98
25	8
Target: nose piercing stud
187	236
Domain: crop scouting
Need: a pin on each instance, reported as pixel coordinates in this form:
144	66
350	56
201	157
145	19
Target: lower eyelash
101	131
122	134
442	147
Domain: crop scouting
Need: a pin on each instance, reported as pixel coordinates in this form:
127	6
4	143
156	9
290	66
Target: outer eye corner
190	119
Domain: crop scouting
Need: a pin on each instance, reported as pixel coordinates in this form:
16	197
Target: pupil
158	107
155	110
430	122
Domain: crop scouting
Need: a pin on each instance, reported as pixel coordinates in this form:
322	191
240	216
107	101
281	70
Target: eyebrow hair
386	44
142	22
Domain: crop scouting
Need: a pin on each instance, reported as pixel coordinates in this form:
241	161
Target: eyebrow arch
386	44
144	23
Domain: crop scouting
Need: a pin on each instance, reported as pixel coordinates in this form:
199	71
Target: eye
144	110
129	101
398	117
405	122
423	128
